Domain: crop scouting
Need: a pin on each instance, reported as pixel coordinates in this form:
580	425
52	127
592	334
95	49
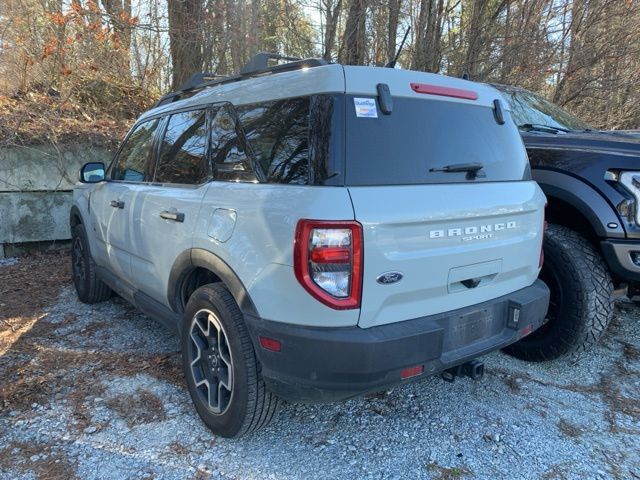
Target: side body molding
191	259
582	197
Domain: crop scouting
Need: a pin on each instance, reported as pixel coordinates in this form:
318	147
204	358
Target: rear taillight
327	259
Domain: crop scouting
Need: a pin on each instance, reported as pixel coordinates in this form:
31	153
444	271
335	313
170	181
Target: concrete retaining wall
35	190
34	216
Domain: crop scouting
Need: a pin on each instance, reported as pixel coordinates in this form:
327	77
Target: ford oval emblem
389	277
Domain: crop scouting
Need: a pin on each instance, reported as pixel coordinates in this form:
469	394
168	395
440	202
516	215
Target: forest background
87	68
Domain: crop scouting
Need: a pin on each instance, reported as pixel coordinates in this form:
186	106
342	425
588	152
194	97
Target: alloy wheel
211	361
78	260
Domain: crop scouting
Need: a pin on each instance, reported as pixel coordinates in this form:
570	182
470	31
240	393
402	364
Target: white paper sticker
366	107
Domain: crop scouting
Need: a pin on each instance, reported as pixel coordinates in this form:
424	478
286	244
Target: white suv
317	231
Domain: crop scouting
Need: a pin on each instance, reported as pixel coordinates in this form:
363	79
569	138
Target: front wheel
581	304
220	365
89	287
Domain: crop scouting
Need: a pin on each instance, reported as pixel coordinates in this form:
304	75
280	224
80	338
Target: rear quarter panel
260	248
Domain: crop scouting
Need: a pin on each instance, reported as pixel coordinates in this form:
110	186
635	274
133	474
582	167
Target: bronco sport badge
475	232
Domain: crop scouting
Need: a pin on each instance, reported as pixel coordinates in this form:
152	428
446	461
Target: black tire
89	287
581	305
240	403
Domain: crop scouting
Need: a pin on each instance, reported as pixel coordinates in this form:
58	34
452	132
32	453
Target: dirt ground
97	392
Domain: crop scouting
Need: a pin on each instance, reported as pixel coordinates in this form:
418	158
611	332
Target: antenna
392	63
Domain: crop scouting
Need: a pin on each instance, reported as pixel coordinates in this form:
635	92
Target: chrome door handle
117	203
173	216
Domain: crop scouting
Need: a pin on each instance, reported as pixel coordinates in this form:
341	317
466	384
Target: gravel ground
96	392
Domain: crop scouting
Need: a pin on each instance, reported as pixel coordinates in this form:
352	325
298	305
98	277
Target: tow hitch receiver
473	369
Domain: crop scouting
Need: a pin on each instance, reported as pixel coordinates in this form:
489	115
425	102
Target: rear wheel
581	304
220	365
89	287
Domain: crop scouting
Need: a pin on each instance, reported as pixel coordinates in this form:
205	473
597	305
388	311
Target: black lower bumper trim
318	364
617	254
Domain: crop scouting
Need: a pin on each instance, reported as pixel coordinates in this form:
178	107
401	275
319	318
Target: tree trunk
119	12
392	28
354	40
575	50
332	12
185	39
427	49
475	38
216	38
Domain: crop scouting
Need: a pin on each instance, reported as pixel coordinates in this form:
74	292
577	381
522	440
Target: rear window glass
422	134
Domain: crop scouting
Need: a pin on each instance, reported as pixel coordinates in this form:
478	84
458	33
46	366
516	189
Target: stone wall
35	189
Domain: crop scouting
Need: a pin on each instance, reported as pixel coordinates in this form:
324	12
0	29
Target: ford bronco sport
317	231
592	182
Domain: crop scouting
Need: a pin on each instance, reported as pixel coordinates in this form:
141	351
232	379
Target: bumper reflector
270	344
526	331
412	372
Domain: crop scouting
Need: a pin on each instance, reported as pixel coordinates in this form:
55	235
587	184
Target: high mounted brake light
327	260
444	91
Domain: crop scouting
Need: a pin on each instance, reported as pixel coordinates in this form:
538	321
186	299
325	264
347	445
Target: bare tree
428	47
354	38
185	36
392	27
475	38
332	11
119	13
117	56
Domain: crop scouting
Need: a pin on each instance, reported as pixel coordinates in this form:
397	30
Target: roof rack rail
260	62
258	65
192	83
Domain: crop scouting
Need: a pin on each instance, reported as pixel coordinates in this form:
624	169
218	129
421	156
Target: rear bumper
617	254
328	364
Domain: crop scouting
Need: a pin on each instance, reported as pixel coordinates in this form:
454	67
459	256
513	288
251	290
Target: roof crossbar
260	62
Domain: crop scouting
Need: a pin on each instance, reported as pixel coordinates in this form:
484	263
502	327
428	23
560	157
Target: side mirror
92	172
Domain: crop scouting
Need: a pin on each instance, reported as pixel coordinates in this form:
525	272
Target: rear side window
134	159
278	133
230	158
421	135
183	149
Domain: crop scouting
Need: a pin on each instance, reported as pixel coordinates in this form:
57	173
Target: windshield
430	141
529	108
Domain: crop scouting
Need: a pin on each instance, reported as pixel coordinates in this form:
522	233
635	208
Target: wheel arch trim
75	213
584	198
194	258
